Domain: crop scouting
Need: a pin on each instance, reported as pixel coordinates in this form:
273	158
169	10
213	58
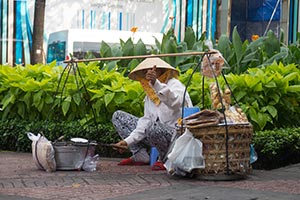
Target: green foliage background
263	75
46	92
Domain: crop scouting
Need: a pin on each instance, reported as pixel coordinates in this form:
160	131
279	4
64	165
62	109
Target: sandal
158	165
130	161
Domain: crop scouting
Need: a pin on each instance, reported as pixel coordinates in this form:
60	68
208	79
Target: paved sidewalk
21	180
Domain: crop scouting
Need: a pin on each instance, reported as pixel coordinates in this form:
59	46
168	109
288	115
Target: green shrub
34	92
277	148
13	134
45	92
267	94
243	55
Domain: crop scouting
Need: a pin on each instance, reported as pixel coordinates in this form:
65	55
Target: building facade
214	17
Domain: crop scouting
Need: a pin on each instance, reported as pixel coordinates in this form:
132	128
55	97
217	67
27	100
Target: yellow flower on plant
254	37
134	29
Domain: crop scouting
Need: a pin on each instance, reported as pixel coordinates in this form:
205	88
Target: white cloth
168	111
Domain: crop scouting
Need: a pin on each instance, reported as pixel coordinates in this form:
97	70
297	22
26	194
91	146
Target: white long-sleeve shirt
168	111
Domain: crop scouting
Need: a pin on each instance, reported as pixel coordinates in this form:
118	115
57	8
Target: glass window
81	49
56	51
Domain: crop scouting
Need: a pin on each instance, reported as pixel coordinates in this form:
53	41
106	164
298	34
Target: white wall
147	15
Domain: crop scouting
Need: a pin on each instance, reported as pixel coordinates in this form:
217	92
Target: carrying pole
139	57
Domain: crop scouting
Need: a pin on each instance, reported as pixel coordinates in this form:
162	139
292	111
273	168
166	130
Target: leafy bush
277	148
265	94
169	44
47	92
13	134
242	55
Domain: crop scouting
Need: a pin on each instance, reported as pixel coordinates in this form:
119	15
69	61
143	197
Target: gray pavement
21	180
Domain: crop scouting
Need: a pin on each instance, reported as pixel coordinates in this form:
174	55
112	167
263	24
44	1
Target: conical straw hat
149	63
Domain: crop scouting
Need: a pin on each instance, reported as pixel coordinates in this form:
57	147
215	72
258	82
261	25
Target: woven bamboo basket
214	149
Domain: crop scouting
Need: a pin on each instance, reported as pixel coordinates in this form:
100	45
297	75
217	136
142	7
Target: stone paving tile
20	177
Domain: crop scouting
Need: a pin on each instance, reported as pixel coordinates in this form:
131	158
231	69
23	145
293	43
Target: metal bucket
71	156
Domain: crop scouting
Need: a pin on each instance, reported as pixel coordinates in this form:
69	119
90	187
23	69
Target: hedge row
275	148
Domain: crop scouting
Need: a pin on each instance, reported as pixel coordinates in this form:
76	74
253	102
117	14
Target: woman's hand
151	75
121	146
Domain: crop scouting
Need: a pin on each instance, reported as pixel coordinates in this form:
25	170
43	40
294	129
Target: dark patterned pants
158	135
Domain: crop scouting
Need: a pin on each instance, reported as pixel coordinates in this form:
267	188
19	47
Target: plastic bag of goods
42	152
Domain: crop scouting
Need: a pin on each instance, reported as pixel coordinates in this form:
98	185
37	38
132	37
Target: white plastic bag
42	152
90	163
173	169
187	153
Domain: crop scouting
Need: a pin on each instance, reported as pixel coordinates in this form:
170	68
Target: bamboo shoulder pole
139	57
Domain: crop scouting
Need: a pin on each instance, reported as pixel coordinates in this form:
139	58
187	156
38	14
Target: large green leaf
224	46
290	77
77	98
128	48
139	48
257	44
237	44
185	67
275	97
98	93
108	98
21	109
272	44
271	84
37	98
240	95
65	107
40	106
277	57
110	65
8	99
170	46
253	115
189	37
116	51
27	99
272	110
133	94
262	120
120	98
251	57
48	98
105	50
294	88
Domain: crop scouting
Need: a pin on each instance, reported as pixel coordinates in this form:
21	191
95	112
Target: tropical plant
267	94
126	48
48	91
169	44
189	44
241	56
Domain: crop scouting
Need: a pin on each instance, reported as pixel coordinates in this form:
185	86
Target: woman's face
159	72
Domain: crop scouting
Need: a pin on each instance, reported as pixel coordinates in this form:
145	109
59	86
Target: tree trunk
37	52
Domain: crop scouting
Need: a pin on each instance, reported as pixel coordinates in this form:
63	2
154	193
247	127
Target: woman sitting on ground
162	109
